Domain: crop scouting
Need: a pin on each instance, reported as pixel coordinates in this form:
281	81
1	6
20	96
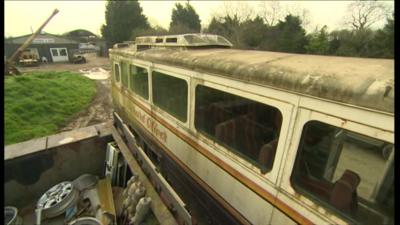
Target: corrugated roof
43	39
358	81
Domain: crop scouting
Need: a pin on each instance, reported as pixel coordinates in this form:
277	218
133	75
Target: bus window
139	81
116	72
170	94
245	127
124	74
347	172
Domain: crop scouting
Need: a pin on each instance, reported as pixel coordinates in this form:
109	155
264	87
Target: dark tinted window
63	52
54	52
248	128
116	72
170	94
348	172
171	40
139	81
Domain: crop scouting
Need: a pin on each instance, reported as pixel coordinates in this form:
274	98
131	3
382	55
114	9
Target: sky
23	17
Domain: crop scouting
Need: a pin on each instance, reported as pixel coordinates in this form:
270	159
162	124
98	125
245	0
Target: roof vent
121	45
183	40
171	40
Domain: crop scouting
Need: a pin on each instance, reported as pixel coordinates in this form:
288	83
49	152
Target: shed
89	41
55	48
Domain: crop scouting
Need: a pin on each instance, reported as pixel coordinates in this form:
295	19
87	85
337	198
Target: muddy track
98	111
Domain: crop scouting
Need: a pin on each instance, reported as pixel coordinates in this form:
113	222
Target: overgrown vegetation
38	104
184	19
288	35
271	28
123	18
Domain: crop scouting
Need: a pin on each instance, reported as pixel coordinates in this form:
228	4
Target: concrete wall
32	167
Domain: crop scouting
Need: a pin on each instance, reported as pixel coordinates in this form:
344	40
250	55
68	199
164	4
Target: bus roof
357	81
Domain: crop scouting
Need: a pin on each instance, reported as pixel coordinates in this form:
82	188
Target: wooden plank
104	190
159	209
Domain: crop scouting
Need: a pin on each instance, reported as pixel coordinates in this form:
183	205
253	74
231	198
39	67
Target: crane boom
11	61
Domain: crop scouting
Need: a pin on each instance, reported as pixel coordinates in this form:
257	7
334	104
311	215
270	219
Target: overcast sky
23	16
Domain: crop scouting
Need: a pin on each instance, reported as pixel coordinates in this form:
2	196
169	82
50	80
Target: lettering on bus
150	124
153	126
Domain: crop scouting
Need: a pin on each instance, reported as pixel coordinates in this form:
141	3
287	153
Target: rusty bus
254	137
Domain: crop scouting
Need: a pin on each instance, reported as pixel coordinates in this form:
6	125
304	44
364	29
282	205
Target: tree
291	36
383	42
122	17
334	42
253	32
356	43
241	11
228	27
300	12
364	42
271	12
151	31
184	19
318	42
216	26
362	14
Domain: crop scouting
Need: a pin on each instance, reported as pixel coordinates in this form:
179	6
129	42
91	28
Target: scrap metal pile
90	201
86	200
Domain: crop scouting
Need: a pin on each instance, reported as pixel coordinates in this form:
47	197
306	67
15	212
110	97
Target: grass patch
38	104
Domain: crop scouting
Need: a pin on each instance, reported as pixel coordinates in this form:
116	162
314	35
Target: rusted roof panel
358	81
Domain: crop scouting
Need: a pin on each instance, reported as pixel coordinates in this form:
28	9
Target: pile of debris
96	73
88	200
135	205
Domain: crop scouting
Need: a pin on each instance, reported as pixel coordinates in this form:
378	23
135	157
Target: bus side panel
203	207
278	218
248	203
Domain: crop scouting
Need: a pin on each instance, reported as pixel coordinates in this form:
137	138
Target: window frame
117	82
128	72
286	110
303	196
148	81
162	112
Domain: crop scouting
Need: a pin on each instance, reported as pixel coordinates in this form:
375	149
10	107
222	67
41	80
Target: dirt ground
92	62
101	108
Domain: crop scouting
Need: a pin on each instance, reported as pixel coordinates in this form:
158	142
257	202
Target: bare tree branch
302	13
241	10
271	12
363	14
